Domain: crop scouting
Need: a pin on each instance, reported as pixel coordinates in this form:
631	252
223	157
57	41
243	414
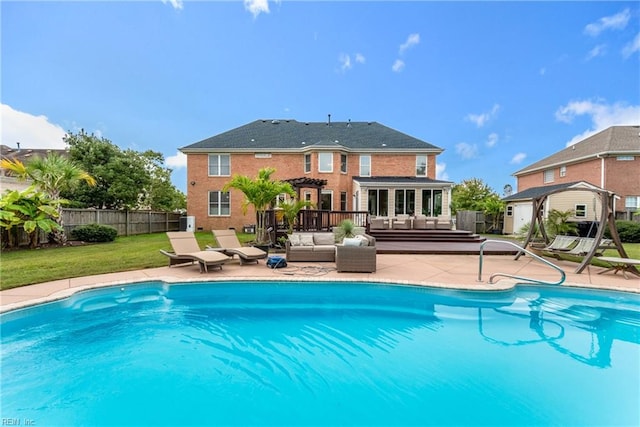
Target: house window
219	165
405	202
421	165
219	203
632	202
378	202
432	202
343	163
509	210
625	158
343	200
563	171
548	176
581	211
326	200
365	165
325	162
307	163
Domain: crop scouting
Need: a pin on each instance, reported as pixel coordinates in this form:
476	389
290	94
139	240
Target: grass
29	266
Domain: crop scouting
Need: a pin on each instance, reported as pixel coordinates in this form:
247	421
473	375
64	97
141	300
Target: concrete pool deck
450	271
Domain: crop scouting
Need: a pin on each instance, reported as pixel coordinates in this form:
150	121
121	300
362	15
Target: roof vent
275	122
303	143
384	144
349	123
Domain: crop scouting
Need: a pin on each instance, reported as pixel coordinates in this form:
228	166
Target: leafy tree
471	195
30	208
125	179
493	207
259	192
474	195
52	174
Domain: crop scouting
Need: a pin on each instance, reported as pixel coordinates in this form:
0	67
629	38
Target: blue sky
497	85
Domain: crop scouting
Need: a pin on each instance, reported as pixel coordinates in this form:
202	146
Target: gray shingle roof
533	192
289	135
616	140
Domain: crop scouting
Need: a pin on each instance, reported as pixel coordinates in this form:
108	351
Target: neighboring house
585	205
352	166
8	182
610	160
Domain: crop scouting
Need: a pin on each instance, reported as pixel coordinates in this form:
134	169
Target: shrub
94	233
629	231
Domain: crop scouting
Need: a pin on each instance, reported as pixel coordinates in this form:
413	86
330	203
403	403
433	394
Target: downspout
603	175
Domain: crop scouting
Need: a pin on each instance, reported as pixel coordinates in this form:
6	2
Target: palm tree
260	192
51	175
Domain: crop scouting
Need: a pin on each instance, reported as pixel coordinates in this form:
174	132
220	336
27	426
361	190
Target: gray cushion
323	239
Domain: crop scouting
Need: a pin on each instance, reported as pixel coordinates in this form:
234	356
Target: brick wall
621	177
287	166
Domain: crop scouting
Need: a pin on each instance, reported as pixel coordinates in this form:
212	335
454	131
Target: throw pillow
306	239
324	239
351	241
363	240
294	239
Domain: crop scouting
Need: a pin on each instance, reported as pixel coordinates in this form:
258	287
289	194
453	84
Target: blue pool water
322	353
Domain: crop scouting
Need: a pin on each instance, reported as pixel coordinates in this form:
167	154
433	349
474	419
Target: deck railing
314	220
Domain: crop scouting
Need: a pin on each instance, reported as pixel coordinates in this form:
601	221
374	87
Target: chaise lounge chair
586	244
186	249
561	243
229	244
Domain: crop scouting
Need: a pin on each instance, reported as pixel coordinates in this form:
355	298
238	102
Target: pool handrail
526	279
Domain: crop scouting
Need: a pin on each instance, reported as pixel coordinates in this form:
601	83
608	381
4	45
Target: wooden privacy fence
127	223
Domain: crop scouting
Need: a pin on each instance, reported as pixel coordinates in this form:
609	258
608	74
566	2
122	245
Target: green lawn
25	266
29	266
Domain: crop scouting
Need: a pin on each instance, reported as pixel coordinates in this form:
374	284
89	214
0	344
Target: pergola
607	217
305	182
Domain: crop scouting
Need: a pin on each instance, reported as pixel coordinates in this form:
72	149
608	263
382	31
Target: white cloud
467	151
256	7
614	22
602	116
481	119
492	140
345	62
176	162
598	50
631	47
412	40
398	65
441	172
542	71
518	158
177	4
29	130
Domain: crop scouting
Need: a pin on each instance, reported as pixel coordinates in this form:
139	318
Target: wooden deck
449	248
436	242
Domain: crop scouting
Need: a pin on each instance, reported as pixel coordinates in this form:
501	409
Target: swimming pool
323	353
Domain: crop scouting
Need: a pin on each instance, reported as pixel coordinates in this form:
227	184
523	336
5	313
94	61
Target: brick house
609	160
363	166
